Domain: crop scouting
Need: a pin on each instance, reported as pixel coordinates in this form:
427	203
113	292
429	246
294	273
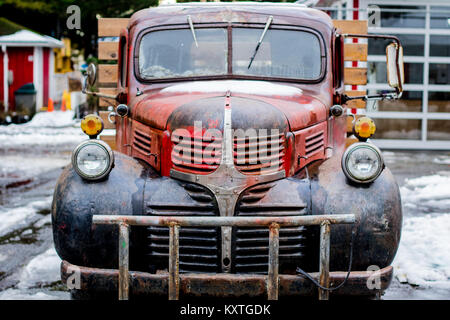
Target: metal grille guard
174	224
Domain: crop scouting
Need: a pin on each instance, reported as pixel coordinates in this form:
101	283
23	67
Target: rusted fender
76	200
378	211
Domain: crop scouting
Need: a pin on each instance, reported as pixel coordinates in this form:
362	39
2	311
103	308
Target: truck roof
238	12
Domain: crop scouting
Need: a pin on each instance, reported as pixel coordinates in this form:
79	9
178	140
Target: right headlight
362	162
92	159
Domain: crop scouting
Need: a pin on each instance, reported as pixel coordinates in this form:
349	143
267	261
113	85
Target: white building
421	119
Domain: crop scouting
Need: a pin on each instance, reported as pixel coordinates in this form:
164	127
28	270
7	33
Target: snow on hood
238	86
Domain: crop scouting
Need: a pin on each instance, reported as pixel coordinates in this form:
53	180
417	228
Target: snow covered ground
29	265
46	129
422	263
32	156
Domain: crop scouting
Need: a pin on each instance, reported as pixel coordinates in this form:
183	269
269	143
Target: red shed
27	57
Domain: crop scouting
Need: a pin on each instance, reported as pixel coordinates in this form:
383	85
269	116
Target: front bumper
226	285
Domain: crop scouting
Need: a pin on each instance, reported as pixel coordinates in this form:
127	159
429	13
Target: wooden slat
358	104
355	76
110	140
106	123
351	26
107	102
349	141
107	74
111	27
350	122
355	52
108	50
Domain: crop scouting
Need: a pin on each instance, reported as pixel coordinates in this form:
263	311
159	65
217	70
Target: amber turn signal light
364	128
92	125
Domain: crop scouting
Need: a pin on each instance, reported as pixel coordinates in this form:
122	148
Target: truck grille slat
142	142
200	155
251	245
259	154
314	143
199	249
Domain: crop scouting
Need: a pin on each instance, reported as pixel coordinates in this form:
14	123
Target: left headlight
93	159
362	162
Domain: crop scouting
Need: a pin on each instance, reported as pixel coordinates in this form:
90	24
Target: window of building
422	116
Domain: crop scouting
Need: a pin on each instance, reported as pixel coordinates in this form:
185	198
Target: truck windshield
283	53
174	53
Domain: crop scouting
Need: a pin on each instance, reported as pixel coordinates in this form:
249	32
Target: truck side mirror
90	76
394	61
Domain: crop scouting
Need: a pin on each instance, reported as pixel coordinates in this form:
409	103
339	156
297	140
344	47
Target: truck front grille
199	247
251	245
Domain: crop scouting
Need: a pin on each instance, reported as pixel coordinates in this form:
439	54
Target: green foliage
9	27
180	1
50	16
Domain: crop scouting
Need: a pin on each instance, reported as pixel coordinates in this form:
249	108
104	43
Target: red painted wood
46	74
1	77
22	67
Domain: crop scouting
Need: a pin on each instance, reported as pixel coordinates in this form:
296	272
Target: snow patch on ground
15	294
442	160
248	86
423	258
16	218
16	166
45	129
55	119
432	192
43	269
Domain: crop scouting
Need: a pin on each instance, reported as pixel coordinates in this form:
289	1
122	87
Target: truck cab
231	122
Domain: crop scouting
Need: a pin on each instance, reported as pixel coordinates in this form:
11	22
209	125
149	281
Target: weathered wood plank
107	73
351	26
106	123
350	122
110	140
357	104
103	102
355	76
350	141
111	27
355	52
108	50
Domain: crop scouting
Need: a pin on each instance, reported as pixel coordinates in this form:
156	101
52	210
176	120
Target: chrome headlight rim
108	151
354	147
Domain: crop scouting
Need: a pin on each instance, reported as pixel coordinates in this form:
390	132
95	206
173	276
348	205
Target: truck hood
254	104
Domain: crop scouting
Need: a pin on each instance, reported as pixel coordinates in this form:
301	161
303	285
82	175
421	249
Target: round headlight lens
362	162
92	159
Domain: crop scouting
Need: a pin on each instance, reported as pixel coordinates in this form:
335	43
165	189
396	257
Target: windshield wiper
269	21
191	25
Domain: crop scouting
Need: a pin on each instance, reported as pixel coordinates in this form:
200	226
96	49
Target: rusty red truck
231	167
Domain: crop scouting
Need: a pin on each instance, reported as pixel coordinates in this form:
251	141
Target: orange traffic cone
63	103
50	107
